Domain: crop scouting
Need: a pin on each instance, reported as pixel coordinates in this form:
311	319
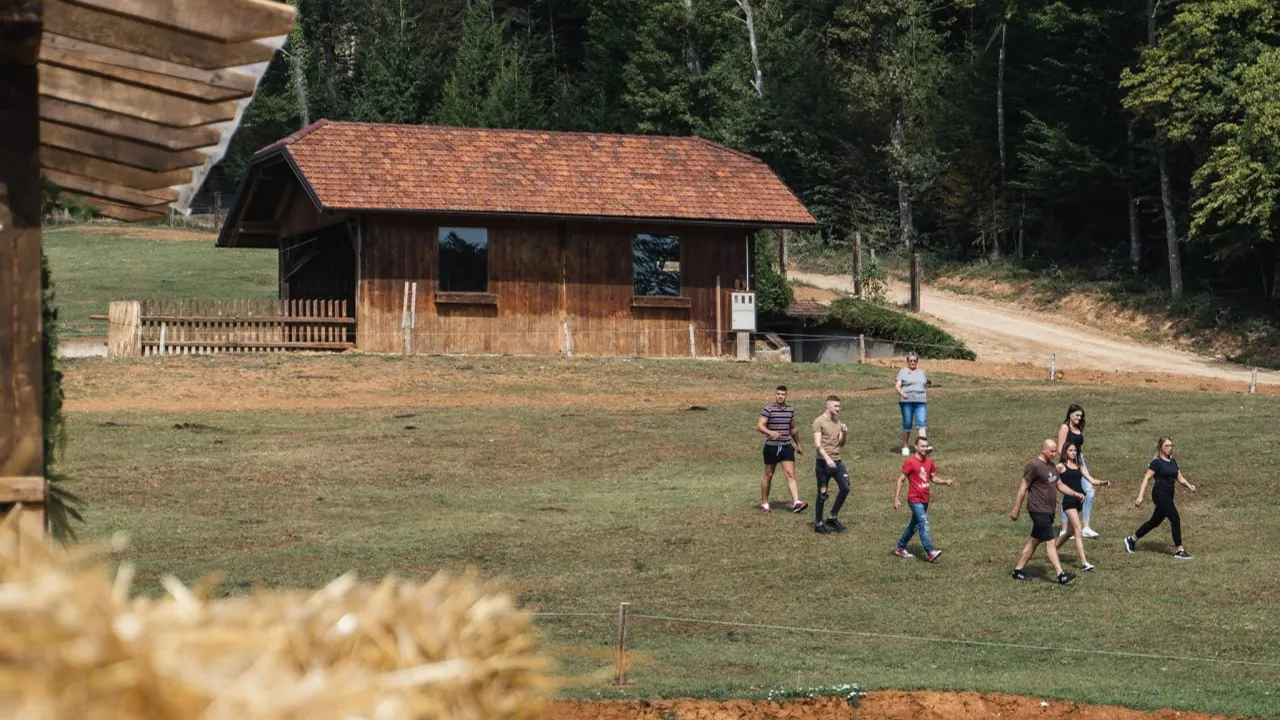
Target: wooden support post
719	350
21	365
693	343
862	348
164	332
1053	368
915	280
1253	382
857	264
624	629
124	329
744	345
568	339
404	318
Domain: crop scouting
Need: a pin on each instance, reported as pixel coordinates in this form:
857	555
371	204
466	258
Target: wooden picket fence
206	327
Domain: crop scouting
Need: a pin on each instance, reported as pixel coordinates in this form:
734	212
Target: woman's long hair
1067	420
1062	456
1160	444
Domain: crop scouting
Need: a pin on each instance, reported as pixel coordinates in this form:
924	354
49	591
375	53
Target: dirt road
1005	333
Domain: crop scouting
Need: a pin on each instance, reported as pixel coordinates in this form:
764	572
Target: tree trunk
1170	229
328	66
1135	237
1166	191
905	221
1022	217
757	80
691	60
1000	103
300	87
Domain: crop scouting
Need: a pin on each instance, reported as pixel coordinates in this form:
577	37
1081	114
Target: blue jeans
917	411
1086	507
919	523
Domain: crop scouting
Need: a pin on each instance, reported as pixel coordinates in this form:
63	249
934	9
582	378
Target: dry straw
75	643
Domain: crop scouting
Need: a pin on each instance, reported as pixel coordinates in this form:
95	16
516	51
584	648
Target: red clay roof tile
372	167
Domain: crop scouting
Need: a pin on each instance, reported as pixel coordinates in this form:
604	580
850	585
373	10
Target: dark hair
836	398
1062	456
921	439
1073	409
783	388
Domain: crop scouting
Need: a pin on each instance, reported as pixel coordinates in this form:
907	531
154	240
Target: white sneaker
1090	533
906	452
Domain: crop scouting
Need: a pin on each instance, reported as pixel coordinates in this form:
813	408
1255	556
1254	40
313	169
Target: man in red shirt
918	471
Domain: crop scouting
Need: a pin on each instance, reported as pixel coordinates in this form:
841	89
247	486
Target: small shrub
910	333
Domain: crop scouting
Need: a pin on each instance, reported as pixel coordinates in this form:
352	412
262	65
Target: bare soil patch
148	233
883	705
808	292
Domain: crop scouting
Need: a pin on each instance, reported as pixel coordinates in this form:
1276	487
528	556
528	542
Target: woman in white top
913	403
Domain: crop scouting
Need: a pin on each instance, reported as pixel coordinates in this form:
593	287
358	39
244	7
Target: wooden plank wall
545	274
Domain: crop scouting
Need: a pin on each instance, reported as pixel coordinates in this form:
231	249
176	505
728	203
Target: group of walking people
1060	469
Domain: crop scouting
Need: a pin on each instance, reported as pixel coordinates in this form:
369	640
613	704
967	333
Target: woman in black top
1166	473
1073	474
1071	432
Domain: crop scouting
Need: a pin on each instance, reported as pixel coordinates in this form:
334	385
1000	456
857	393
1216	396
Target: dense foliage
1135	135
905	331
62	507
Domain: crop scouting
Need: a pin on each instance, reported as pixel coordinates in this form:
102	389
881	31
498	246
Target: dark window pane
464	259
657	263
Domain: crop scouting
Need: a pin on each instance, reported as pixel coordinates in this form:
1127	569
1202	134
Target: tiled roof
418	168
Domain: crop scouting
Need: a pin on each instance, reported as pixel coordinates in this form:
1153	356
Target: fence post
624	627
164	331
915	280
568	339
693	344
1053	368
1253	382
719	343
857	264
124	329
744	345
862	349
404	318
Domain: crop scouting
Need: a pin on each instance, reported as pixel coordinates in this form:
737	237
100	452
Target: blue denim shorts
917	411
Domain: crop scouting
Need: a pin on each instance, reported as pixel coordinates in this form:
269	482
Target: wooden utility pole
784	240
21	366
857	264
915	280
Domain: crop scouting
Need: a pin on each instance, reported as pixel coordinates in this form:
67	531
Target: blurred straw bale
75	643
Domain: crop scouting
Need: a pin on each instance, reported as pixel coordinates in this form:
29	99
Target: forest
1139	139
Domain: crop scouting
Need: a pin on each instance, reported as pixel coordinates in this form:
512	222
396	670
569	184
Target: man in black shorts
778	424
1040	486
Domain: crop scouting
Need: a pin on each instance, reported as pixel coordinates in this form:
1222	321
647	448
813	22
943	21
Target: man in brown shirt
829	435
1040	486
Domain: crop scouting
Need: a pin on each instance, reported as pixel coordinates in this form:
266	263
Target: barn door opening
319	265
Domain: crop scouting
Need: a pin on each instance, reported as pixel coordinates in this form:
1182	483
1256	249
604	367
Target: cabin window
464	259
657	264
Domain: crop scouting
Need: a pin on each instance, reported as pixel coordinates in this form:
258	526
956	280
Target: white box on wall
743	311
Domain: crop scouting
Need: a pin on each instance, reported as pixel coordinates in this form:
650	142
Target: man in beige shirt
829	435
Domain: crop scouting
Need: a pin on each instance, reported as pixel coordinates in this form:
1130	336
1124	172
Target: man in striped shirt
778	424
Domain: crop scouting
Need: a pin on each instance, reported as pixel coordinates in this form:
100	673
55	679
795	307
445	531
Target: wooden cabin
519	242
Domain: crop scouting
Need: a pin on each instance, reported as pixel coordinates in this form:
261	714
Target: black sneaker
835	524
1065	578
1018	575
1130	545
820	528
1182	555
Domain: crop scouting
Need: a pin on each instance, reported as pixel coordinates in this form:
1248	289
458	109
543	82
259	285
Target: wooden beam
23	489
131	35
104	122
110	191
177	86
123	213
158	106
122	151
224	21
21	365
52	158
229	79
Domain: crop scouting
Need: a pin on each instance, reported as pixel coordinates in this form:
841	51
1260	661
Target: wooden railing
204	327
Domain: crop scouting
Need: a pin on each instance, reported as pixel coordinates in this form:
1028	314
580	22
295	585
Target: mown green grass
582	505
92	265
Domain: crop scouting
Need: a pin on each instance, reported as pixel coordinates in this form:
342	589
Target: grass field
586	483
91	265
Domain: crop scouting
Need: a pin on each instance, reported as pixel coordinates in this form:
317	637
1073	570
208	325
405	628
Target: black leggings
1164	509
